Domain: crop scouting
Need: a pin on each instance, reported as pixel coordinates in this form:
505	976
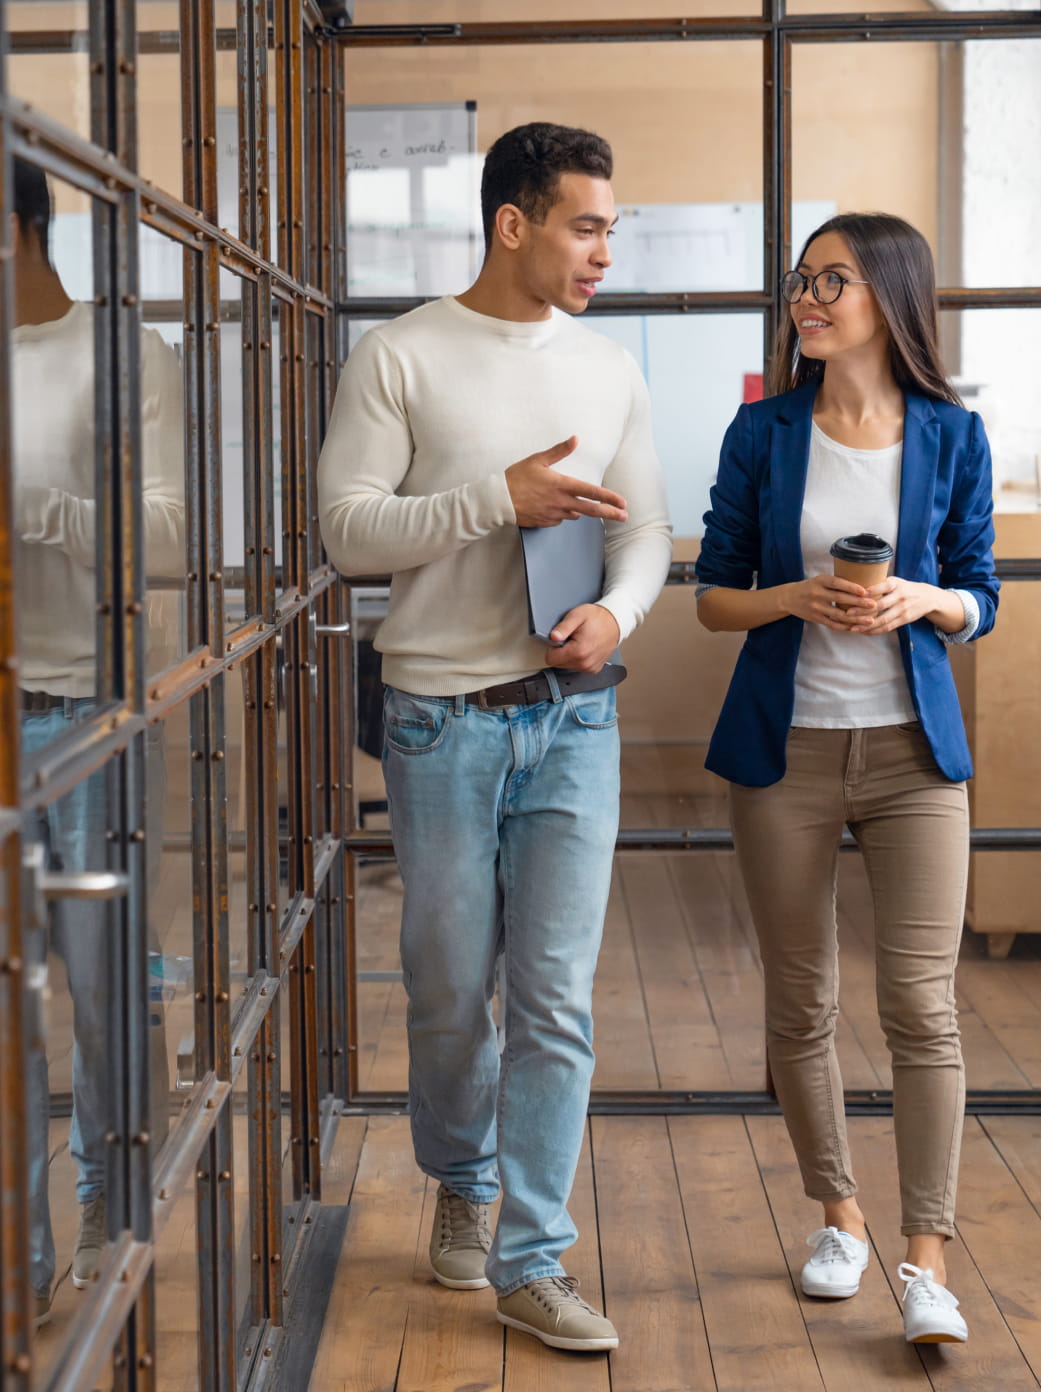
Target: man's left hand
588	636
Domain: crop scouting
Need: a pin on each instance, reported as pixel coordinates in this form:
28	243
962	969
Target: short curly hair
524	166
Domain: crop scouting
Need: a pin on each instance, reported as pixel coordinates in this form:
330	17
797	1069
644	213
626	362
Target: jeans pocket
593	710
413	724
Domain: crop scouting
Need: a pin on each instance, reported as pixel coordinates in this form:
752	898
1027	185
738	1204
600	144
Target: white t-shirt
54	476
848	680
432	408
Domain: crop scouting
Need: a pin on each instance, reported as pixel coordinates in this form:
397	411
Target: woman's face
850	324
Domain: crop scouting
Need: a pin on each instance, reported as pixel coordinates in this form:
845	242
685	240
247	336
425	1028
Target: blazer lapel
789	461
918	466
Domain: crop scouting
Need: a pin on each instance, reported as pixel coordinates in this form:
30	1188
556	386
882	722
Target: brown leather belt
529	691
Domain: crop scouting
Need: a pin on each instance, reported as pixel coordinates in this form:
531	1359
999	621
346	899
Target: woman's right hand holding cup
830	601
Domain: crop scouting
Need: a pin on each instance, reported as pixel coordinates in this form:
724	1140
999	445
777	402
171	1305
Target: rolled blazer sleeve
966	537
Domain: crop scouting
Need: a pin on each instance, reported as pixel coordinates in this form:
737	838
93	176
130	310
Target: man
55	558
501	754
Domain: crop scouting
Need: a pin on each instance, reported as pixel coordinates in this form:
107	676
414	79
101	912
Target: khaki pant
911	824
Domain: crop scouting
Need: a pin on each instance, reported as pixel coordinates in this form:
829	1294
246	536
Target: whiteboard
698	246
413	199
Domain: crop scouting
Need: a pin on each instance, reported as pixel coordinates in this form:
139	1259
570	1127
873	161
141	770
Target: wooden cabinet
999	682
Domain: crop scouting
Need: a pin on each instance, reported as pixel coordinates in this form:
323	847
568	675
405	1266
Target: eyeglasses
827	286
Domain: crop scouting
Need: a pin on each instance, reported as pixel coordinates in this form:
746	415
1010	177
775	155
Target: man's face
563	259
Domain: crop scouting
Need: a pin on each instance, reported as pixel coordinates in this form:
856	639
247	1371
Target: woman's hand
831	602
899	602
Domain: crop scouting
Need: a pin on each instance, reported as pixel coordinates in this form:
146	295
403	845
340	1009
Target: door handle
332	630
47	885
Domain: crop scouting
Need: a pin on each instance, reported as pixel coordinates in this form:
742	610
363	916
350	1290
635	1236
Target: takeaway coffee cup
863	558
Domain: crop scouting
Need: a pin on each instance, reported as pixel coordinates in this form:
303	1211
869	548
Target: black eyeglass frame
810	283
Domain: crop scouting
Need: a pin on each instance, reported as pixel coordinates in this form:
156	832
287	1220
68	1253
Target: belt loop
460	703
554	688
68	708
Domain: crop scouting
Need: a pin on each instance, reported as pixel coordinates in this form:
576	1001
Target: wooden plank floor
692	1233
679	995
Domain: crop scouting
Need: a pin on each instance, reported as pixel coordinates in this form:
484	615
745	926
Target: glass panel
697	107
233	457
992	355
880	103
172	972
1001	98
58	550
163	447
177	1299
228	142
282	780
56	83
243	1180
315	330
490	11
239	918
368	610
71	1010
290	1196
159	127
932	132
281	380
382	1042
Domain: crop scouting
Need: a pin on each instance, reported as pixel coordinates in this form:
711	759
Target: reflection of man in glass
55	514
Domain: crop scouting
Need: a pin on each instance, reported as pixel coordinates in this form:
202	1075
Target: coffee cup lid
864	548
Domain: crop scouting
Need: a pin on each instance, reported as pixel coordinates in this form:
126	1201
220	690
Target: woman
842	712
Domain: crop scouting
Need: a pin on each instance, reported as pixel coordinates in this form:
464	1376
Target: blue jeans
72	830
504	824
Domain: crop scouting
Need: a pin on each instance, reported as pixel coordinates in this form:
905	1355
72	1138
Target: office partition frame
280	654
778	33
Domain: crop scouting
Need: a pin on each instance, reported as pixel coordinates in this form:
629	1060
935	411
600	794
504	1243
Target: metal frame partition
283	659
778	33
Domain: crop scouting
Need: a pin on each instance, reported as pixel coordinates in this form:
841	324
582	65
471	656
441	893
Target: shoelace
833	1246
464	1223
567	1288
926	1290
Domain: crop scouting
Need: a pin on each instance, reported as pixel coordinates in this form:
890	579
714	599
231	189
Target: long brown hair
896	261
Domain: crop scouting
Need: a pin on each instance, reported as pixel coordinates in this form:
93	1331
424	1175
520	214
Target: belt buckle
482	699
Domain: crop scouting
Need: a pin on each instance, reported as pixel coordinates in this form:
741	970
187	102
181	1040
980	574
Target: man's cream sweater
431	410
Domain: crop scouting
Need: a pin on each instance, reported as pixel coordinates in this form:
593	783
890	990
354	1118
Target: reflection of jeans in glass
72	830
504	825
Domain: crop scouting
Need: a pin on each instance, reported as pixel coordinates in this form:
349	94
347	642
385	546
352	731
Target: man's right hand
544	498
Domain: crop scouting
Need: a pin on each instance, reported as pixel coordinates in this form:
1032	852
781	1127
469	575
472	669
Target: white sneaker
836	1266
930	1310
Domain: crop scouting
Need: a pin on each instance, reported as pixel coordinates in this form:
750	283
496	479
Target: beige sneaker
552	1309
459	1241
90	1242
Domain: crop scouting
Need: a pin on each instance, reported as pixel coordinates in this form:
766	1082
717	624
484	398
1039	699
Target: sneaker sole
555	1340
82	1282
937	1338
830	1292
478	1283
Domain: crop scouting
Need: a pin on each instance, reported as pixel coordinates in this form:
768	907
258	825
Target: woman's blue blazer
752	537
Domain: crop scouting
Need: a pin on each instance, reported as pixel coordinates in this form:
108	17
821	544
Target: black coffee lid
865	548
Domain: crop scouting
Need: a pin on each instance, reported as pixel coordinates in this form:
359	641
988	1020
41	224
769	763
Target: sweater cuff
494	493
621	610
972	620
